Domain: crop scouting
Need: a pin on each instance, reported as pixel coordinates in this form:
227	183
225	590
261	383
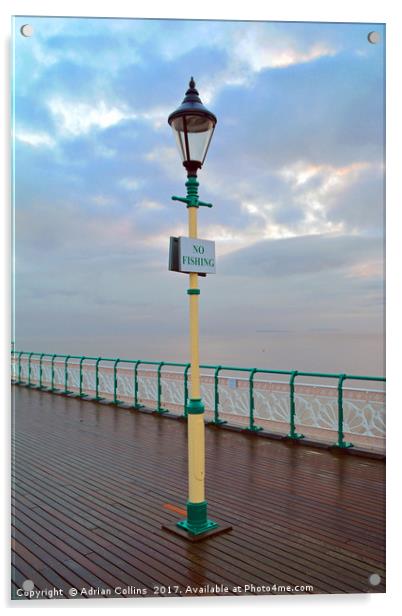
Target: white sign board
196	255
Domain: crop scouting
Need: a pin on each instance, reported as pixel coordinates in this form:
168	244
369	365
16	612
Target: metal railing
23	360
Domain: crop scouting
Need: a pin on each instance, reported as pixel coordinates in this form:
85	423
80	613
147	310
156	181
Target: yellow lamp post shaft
194	336
196	428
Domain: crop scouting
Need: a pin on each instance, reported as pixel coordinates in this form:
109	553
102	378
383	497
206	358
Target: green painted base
209	525
161	411
218	422
254	429
295	436
137	406
344	445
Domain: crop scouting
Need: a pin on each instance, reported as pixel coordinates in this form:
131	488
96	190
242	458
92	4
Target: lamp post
193	126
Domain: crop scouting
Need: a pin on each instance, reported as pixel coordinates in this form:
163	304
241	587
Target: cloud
306	255
35	139
76	119
263	48
298	284
130	183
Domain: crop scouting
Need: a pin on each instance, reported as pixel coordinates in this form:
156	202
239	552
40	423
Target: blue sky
295	171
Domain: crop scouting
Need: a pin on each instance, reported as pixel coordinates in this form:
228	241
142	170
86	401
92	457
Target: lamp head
193	126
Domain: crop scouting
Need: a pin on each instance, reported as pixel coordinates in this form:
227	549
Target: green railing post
52	388
216	420
136	404
40	370
81	394
159	408
293	434
13	364
29	368
97	396
216	394
341	443
66	391
19	367
252	427
115	400
186	369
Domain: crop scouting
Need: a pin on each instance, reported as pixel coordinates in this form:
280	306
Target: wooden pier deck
93	484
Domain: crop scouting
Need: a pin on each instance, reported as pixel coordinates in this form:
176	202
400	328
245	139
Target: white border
287	10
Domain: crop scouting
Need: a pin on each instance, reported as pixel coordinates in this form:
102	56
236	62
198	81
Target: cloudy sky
295	172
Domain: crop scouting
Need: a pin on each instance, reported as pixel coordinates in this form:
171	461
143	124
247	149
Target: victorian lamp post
193	126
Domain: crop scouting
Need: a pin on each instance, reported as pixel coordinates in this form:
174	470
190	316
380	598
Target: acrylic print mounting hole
26	30
373	37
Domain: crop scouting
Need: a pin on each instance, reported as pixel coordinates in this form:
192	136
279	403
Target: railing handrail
332	375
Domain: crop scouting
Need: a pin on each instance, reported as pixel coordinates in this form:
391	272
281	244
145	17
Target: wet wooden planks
91	483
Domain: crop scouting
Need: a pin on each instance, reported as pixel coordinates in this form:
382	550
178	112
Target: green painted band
195	407
197	513
193	291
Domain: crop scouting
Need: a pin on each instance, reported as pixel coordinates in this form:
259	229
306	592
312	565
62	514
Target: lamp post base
195	530
182	532
197	520
197	526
